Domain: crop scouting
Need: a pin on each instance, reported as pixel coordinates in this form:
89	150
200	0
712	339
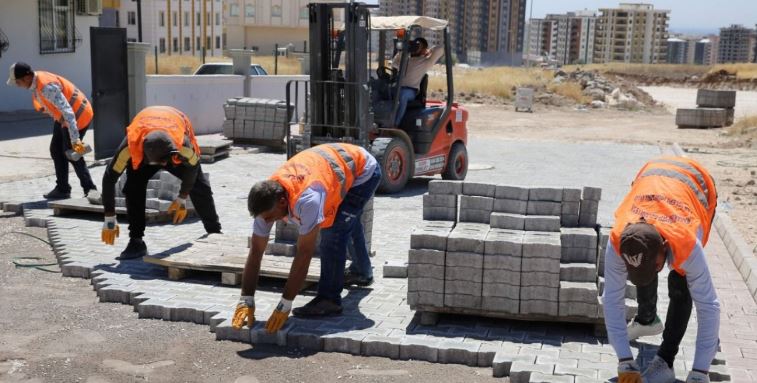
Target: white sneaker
658	372
637	330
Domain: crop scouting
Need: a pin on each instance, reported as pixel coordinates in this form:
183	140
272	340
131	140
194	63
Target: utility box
524	99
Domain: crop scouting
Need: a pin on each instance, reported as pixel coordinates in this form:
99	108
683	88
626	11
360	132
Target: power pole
193	22
169	19
139	20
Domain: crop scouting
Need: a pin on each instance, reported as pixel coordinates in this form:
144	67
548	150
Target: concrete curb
737	247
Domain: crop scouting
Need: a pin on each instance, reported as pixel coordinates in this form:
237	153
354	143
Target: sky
686	16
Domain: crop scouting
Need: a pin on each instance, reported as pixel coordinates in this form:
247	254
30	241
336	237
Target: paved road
674	98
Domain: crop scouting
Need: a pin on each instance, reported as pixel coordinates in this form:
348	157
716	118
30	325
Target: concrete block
468	237
426	284
709	98
569	220
591	193
543	208
503	305
419	270
458	352
578	292
538	278
571	195
456	259
502	276
224	331
538	377
549	265
578	272
429	238
440	200
426	256
502	262
541	307
462	301
570	207
578	254
528	293
578	309
579	237
476	203
395	269
512	206
440	214
501	290
504	242
377	345
228	128
479	189
344	342
425	298
305	339
259	335
414	347
541	246
545	194
507	221
542	223
501	364
511	192
475	216
462	273
461	287
445	187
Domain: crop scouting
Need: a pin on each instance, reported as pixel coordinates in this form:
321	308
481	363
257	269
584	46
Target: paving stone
592	193
426	256
305	338
419	347
511	192
440	200
502	363
456	259
578	254
530	264
580	309
521	371
224	331
502	262
468	202
420	270
475	216
468	237
433	285
539	293
567	220
587	216
501	290
578	272
429	238
462	301
394	269
510	277
570	208
537	377
479	189
542	223
345	342
537	278
578	292
507	221
512	206
457	287
458	352
541	307
571	195
498	304
440	214
578	237
543	208
376	345
545	194
541	246
445	187
258	335
504	242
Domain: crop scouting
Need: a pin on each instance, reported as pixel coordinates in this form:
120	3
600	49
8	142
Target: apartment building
176	27
631	33
737	44
563	38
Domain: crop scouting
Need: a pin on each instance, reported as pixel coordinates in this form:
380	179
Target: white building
632	33
48	35
566	38
176	27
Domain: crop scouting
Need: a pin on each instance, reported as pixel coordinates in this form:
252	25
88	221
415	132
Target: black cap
158	146
639	245
18	70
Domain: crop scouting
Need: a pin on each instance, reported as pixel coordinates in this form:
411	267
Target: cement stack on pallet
464	265
715	109
503	251
425	263
256	121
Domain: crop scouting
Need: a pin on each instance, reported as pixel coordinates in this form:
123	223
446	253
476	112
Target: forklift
353	95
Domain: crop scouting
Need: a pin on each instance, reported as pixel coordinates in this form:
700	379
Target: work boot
135	249
56	194
351	279
637	330
94	197
658	372
318	307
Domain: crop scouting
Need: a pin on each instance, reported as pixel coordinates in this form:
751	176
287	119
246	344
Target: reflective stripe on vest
337	170
696	173
346	157
680	177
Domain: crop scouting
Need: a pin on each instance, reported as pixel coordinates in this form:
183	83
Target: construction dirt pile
721	79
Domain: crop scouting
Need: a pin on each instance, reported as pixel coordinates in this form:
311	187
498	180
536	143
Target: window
234	10
218	42
186	18
208	43
131	18
198	19
276	11
162	45
249	10
175	44
56	26
175	19
304	13
187	43
218	18
208	18
161	19
198	45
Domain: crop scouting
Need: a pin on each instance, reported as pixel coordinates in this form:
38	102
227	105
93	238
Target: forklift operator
422	58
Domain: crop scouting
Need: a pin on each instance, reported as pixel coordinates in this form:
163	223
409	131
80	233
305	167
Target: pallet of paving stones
212	150
256	121
715	109
508	251
227	255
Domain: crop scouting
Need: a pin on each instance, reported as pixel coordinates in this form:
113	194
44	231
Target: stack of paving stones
507	250
162	190
255	120
715	109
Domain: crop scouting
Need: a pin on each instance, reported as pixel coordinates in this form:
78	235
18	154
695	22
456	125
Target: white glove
697	377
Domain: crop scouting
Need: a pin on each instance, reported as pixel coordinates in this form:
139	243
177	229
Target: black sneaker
318	307
56	194
351	279
135	249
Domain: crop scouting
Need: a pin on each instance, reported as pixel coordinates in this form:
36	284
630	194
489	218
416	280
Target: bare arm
305	249
252	266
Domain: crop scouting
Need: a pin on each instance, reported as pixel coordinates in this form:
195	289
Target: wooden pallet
430	314
213	145
226	255
82	205
210	158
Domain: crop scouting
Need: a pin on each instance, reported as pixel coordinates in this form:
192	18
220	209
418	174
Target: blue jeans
334	240
407	94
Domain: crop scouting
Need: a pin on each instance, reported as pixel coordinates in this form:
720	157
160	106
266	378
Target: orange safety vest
678	197
168	119
334	166
76	98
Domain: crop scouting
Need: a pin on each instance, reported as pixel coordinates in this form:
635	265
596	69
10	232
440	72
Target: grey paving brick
542	247
394	269
501	290
440	200
502	276
502	363
538	377
440	214
476	203
578	272
419	347
345	342
224	331
502	262
457	287
462	301
507	221
426	256
521	371
376	345
479	189
571	195
459	352
542	223
445	187
570	208
513	206
578	292
258	335
456	259
511	192
503	305
476	216
468	237
305	339
579	309
578	254
420	270
425	299
545	194
567	220
579	237
543	208
538	278
592	193
429	238
530	264
504	242
539	307
539	293
433	285
587	216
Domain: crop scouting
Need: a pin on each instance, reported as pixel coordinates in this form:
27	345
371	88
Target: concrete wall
20	22
274	87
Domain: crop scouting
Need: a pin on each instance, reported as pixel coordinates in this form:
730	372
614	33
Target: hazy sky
686	15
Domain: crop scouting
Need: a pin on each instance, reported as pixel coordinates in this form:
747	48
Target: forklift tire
457	163
394	157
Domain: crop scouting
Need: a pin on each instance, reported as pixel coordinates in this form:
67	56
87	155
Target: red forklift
353	95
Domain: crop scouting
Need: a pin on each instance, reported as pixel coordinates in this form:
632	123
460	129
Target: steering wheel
387	73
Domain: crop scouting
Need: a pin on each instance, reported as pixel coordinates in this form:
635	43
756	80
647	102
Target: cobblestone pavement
377	321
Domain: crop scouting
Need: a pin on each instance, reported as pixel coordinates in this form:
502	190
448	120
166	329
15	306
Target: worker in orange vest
324	189
159	137
666	218
71	113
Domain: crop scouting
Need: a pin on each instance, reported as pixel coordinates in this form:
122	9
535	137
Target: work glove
697	377
110	230
78	146
628	372
245	312
279	316
179	209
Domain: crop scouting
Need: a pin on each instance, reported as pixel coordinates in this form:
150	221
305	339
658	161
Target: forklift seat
420	99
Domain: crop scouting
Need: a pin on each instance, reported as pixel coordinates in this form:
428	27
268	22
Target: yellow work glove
179	209
245	312
79	147
628	372
279	316
110	230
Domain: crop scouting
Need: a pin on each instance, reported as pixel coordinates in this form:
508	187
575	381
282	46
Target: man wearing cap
421	60
159	137
666	217
71	112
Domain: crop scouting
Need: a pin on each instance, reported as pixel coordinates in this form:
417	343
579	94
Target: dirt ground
733	167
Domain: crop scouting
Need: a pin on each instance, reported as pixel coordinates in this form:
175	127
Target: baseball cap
18	70
158	147
639	245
